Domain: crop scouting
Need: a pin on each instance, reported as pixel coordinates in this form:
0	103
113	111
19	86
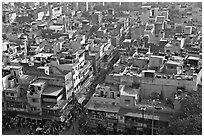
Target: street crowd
42	127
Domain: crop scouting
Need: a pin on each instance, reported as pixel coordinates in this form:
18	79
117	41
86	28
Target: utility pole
143	111
153	118
157	108
153	122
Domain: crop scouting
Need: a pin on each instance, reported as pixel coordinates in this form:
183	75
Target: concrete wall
68	85
168	86
148	89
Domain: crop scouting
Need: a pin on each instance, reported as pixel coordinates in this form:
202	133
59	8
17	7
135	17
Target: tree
188	121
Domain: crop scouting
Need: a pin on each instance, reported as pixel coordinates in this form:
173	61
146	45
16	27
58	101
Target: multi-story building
147	97
103	107
175	45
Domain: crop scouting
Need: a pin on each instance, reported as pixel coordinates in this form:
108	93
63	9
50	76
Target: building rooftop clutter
110	87
52	90
131	70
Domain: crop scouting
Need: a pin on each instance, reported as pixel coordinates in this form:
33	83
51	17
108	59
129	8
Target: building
174	46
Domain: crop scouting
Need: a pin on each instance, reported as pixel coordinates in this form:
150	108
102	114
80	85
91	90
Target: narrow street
74	129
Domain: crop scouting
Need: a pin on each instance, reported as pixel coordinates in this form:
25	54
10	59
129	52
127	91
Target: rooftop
154	56
173	62
102	107
43	55
12	67
39	82
160	18
127	40
27	77
193	58
129	91
52	90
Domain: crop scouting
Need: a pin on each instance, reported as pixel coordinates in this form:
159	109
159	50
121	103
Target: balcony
87	65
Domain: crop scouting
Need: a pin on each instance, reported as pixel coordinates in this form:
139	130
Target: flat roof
102	107
152	71
55	27
129	91
154	56
27	77
177	58
160	18
173	62
39	82
52	90
12	67
193	58
127	40
45	55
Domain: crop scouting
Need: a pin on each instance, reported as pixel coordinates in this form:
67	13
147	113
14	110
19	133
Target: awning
147	114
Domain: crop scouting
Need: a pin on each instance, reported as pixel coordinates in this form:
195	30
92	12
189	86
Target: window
112	95
16	81
127	101
167	51
33	100
12	94
39	88
14	73
33	108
